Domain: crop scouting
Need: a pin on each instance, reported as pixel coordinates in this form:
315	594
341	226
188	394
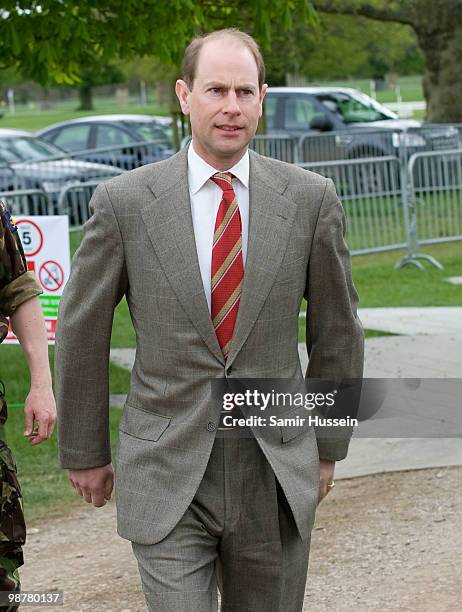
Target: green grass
377	333
123	334
45	487
32	119
379	284
368	333
16	376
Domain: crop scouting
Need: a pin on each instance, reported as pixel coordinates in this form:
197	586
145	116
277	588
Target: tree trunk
86	98
443	74
438	26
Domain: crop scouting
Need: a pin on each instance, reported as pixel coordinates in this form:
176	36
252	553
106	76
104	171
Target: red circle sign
51	275
31	237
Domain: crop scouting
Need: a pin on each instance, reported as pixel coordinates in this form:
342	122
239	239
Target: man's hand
94	485
39	414
326	469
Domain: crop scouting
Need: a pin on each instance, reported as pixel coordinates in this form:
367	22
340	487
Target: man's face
225	102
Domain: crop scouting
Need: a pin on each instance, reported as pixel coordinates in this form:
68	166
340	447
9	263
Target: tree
92	75
50	40
342	46
438	27
162	76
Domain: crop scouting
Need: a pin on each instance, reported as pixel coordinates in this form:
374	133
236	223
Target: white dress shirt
205	197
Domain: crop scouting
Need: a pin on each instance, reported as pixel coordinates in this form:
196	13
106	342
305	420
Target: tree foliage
342	46
438	27
51	40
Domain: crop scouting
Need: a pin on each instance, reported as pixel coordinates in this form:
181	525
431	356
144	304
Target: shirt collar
199	171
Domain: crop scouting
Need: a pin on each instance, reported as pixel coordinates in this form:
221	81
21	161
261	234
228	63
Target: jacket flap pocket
143	424
295	426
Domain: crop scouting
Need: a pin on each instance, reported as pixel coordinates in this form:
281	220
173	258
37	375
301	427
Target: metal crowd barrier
284	148
355	143
390	201
434	202
27	202
359	143
372	201
347	144
34	187
74	201
436	192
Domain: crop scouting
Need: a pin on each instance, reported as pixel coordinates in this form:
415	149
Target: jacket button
211	426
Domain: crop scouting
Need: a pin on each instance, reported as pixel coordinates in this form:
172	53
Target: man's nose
231	103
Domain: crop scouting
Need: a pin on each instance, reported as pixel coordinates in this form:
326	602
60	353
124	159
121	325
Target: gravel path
383	542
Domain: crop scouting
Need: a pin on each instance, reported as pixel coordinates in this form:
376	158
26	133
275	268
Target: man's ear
263	90
182	92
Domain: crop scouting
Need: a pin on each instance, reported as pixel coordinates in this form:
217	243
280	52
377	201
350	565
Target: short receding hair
191	54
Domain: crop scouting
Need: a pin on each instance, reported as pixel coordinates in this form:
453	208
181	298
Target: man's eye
246	92
216	90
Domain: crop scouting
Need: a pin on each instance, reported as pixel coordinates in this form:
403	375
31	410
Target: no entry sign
51	275
46	245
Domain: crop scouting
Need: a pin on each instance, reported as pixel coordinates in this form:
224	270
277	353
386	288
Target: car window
150	131
73	138
354	109
110	135
299	111
26	149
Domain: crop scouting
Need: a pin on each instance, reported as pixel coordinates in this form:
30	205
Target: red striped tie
227	263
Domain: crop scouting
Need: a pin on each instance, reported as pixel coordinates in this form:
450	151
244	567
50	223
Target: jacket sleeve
335	338
97	283
17	285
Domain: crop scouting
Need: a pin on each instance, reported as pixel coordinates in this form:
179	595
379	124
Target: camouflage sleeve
17	285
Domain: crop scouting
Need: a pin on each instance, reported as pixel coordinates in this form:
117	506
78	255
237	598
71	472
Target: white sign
46	246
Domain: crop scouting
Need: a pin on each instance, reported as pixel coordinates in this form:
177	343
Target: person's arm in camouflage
18	300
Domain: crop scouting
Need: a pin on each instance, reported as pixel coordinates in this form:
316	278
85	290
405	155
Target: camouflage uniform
16	286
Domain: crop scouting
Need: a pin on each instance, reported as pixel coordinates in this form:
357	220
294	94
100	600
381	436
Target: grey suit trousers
238	533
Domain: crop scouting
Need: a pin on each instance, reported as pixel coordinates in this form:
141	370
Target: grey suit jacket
140	243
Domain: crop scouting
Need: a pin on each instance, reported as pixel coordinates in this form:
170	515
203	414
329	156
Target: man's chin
231	146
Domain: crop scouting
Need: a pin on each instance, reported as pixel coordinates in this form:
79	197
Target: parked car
114	139
344	123
28	162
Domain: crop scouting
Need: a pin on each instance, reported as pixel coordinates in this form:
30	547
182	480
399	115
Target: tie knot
223	180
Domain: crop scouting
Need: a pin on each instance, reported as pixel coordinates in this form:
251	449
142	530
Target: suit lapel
271	216
169	224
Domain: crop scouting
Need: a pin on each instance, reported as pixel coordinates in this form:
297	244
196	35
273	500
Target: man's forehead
221	58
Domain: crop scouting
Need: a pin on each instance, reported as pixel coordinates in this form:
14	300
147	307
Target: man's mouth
229	128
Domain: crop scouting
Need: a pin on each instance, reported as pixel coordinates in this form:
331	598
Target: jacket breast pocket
143	424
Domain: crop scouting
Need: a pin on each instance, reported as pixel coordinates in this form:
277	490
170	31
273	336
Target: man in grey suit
214	250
